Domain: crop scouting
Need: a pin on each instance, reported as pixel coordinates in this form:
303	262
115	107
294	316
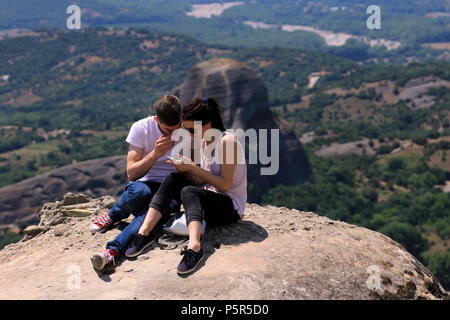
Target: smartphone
174	160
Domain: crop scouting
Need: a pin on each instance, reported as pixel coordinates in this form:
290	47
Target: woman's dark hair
204	110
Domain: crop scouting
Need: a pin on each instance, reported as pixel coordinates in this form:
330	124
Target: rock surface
274	253
244	103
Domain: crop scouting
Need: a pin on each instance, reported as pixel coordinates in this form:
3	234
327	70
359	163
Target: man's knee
139	189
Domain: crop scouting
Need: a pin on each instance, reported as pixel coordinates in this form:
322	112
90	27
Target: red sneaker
100	259
102	223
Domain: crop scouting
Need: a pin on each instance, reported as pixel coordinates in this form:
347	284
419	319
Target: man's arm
138	165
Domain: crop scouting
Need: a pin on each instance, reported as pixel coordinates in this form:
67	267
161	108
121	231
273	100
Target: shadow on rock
241	232
109	269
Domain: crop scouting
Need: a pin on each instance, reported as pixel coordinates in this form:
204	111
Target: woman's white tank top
238	191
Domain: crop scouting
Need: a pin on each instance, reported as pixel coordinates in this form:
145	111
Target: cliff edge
274	253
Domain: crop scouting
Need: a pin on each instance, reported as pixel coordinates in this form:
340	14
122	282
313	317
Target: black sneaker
139	244
190	261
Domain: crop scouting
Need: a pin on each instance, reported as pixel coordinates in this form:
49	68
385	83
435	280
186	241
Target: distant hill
403	101
409	27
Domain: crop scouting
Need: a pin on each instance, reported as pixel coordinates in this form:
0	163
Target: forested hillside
73	95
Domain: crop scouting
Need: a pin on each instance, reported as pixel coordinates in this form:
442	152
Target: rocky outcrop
244	103
20	202
274	253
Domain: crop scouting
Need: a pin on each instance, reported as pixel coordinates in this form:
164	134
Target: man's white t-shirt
143	134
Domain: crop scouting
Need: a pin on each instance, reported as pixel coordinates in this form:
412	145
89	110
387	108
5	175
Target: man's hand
138	165
162	145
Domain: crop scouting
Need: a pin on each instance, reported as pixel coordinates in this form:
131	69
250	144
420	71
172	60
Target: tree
422	181
439	264
442	228
9	237
406	235
370	194
396	164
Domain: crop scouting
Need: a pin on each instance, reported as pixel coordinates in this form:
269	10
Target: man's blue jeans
136	200
137	195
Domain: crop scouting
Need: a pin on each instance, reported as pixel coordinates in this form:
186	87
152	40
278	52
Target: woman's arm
196	179
222	182
225	180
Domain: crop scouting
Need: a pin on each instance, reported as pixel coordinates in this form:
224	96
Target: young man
150	144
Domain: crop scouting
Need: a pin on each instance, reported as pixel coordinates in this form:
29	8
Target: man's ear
157	120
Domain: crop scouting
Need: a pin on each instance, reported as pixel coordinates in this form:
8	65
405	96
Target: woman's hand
182	164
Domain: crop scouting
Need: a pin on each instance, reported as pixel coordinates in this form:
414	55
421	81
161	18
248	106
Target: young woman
215	191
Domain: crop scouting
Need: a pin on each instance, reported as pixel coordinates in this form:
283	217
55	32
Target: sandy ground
438	45
331	38
211	9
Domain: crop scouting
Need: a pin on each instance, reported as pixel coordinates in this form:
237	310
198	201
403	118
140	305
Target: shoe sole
97	262
193	269
95	231
99	231
134	255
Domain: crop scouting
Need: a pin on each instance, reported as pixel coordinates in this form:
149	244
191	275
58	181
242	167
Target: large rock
20	202
244	103
274	253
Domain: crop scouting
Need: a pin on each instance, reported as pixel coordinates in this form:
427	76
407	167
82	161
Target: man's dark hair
168	110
